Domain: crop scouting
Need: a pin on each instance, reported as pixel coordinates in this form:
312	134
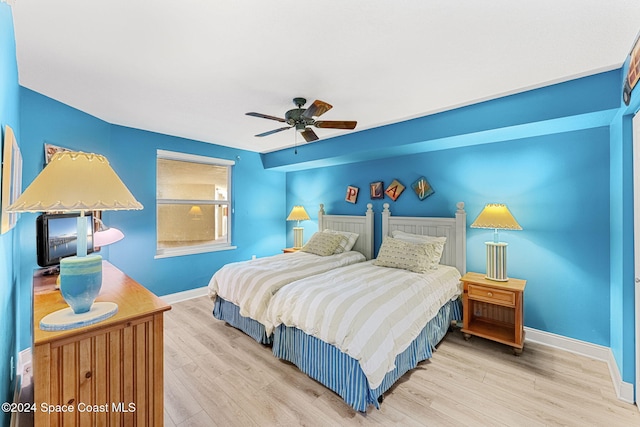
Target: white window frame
197	249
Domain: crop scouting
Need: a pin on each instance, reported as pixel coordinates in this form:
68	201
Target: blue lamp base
80	281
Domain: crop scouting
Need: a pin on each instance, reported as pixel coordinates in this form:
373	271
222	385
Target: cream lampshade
195	213
77	182
298	214
498	217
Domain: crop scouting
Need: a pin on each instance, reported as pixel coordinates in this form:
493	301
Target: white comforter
371	313
251	284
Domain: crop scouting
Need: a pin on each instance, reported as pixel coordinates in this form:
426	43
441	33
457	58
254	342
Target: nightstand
290	250
493	310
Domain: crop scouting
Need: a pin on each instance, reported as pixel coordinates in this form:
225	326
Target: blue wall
258	226
554	185
559	156
9	275
578	104
622	236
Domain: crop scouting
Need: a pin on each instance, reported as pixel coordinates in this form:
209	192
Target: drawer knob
490	294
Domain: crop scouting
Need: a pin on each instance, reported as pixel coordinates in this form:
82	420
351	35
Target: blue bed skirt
341	373
230	313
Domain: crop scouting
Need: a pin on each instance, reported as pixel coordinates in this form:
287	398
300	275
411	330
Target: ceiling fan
299	118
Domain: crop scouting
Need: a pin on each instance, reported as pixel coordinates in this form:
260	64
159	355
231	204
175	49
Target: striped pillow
348	240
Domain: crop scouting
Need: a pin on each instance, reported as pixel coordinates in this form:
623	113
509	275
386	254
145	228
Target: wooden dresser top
133	299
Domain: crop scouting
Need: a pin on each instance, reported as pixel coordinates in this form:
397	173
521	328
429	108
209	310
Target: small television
56	237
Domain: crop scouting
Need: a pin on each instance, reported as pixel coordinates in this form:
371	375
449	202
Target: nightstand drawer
492	295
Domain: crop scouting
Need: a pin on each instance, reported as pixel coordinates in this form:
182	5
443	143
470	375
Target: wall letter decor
394	190
376	189
352	194
422	188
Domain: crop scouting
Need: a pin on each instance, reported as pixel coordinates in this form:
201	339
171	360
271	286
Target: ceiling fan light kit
300	118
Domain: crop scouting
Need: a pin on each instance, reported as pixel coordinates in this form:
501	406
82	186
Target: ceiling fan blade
273	131
336	124
265	116
309	135
317	109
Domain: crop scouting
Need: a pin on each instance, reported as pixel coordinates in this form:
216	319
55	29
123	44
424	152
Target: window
193	204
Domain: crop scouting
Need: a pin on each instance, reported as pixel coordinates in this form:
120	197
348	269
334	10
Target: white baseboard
624	390
185	295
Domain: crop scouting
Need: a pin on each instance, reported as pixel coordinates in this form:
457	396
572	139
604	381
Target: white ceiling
192	68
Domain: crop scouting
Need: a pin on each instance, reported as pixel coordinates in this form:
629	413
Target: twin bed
357	327
243	290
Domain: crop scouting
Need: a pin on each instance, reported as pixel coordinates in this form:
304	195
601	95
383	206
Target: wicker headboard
454	229
363	225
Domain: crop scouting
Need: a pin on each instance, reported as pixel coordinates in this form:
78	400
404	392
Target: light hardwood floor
217	376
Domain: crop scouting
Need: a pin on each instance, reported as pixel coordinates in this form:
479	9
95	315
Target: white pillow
396	253
348	240
436	244
415	238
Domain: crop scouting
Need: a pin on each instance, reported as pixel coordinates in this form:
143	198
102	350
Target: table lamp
77	182
298	214
498	217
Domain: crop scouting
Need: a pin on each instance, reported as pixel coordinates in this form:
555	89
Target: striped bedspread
251	284
370	313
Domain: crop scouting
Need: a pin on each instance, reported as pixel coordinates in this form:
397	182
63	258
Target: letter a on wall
394	190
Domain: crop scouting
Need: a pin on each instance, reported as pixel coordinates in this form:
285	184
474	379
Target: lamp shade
298	214
76	181
106	235
496	216
195	213
195	210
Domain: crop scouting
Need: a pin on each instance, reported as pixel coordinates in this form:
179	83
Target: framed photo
422	188
633	74
394	190
352	194
11	179
50	150
377	190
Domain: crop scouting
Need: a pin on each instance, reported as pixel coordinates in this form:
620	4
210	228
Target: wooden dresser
109	373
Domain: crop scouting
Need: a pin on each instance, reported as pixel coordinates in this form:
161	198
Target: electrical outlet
26	374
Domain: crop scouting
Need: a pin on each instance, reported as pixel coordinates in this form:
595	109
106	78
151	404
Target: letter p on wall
352	194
